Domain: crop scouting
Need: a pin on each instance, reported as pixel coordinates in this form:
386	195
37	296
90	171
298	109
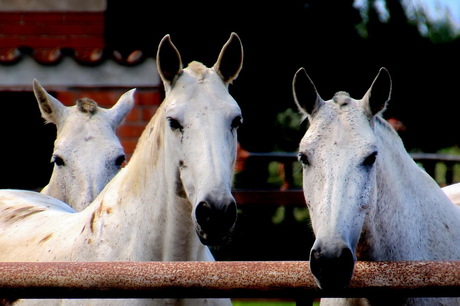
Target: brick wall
146	103
47	33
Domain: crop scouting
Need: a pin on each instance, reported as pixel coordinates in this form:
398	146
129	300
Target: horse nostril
208	215
346	257
333	269
314	256
215	223
230	213
203	213
315	262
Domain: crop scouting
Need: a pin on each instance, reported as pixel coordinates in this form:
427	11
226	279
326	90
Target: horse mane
87	106
387	126
154	130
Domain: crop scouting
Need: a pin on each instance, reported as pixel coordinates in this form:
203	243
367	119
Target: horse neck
401	224
77	195
160	225
59	189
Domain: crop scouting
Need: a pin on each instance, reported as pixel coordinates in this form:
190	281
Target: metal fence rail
275	279
428	160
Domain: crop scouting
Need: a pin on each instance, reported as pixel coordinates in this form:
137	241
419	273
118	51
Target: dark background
26	142
281	36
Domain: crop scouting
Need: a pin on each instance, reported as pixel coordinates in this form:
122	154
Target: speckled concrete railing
281	279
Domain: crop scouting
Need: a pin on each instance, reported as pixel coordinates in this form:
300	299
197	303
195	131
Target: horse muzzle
215	221
332	268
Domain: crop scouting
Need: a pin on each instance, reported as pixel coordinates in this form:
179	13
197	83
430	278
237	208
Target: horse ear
376	98
122	108
52	109
305	94
230	60
169	62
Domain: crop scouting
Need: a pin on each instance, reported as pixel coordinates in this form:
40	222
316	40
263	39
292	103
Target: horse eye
120	160
57	160
303	159
236	123
370	160
174	124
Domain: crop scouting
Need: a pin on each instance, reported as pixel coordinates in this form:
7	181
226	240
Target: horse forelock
342	98
198	70
87	106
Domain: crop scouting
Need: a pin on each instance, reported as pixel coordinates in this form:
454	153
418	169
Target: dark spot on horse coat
46	238
180	191
97	213
22	213
159	141
92	220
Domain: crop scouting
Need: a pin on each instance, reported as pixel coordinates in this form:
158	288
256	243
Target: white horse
87	152
453	193
368	200
172	197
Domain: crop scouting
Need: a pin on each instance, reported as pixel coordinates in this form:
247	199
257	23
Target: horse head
339	154
202	121
87	153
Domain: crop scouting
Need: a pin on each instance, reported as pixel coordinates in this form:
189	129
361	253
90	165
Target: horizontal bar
271	279
270	197
435	157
